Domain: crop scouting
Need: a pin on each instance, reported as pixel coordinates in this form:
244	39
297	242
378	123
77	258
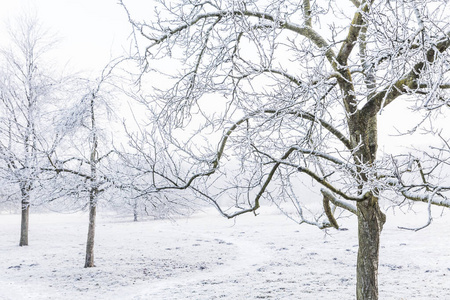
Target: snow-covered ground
208	257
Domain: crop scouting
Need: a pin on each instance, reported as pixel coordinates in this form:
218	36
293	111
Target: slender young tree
294	90
82	154
28	94
93	188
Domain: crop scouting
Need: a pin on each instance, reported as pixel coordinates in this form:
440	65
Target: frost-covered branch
347	206
409	82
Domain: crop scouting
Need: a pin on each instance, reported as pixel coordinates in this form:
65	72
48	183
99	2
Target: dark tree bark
363	127
24	219
89	261
135	212
370	224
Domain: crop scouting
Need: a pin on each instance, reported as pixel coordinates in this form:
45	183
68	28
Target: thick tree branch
407	83
328	212
356	3
347	206
425	197
353	34
313	175
307	12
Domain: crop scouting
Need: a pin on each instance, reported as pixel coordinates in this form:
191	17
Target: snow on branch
342	204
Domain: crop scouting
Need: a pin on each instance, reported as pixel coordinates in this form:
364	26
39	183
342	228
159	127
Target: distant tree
29	95
294	89
133	170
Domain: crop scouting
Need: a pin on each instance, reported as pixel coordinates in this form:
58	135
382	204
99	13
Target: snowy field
208	257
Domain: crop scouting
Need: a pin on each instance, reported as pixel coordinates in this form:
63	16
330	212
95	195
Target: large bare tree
293	90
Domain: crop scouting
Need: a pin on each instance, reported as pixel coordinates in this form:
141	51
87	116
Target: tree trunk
370	217
89	262
135	211
25	220
370	224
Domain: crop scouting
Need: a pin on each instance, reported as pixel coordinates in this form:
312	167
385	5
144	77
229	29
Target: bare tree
81	157
135	170
28	104
295	90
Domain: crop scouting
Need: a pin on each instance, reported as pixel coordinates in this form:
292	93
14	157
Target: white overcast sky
91	32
